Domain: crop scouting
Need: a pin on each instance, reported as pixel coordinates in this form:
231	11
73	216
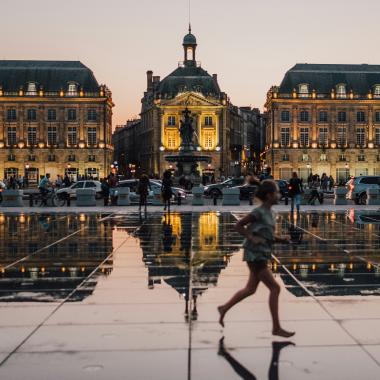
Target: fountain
187	159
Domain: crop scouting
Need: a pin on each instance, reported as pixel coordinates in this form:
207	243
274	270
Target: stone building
218	123
54	118
325	119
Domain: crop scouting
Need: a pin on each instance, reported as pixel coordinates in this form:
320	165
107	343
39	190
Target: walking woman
166	189
258	228
295	191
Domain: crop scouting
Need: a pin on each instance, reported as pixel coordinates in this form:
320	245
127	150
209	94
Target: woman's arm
240	227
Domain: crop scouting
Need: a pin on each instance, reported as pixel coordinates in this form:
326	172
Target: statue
186	131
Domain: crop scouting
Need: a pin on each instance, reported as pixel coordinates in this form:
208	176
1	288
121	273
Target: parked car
357	187
246	190
71	190
216	189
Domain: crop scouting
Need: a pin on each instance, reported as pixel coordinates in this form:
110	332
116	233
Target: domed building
218	124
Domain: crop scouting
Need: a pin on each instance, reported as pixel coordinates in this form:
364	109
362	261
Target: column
351	127
370	124
2	123
276	124
332	118
314	132
295	124
81	123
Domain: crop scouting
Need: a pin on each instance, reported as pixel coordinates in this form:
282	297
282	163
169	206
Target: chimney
156	79
149	77
215	77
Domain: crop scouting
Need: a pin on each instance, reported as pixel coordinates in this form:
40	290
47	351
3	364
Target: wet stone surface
94	296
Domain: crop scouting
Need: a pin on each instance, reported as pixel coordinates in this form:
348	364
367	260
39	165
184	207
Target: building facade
54	118
218	123
325	119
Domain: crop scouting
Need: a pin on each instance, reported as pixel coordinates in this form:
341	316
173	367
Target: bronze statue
186	130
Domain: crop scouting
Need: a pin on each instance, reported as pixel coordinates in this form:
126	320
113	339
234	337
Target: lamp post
26	183
347	171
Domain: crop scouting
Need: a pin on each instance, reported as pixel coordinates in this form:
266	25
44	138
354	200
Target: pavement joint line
59	305
48	246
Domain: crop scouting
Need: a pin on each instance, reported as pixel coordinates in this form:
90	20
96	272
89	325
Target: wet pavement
104	295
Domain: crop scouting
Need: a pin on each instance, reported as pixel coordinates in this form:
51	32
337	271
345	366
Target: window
360	136
92	172
52	115
208	120
323	157
303	90
31	157
323	116
32	136
376	92
72	89
342	157
92	114
285	116
32	89
323	137
89	184
71	158
285	157
11	136
377	116
72	136
304	116
71	114
304	136
172	139
11	114
342	138
342	118
91	158
361	157
171	121
11	157
208	139
285	136
377	136
51	157
341	91
31	114
52	136
360	117
91	136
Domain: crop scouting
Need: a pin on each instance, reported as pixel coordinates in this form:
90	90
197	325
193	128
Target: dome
189	39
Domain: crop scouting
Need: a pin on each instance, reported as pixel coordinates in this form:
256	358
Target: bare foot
283	333
221	315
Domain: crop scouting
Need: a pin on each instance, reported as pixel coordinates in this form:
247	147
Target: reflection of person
166	189
258	228
167	235
143	188
295	190
243	372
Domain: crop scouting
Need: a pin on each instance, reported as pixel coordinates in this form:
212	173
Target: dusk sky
249	43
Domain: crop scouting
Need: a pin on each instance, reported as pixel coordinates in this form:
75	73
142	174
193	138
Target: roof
189	39
189	78
324	77
51	75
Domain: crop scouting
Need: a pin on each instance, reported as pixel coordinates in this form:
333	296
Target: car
88	184
246	190
216	189
357	187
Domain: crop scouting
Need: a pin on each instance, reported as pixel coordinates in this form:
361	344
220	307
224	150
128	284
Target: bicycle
50	199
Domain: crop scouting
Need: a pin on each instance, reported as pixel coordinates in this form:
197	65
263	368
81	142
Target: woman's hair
266	187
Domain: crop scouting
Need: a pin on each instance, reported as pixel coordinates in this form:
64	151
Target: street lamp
347	170
27	174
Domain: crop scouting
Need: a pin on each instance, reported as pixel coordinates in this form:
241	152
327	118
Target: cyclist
44	185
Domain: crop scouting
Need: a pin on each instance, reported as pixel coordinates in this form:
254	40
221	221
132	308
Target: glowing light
217	148
351	266
276	145
313	267
162	148
22	270
369	266
1	144
101	145
21	144
43	269
61	93
63	269
81	145
295	145
294	266
314	145
370	145
41	144
333	145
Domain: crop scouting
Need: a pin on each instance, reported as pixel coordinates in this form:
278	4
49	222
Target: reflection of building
54	118
51	273
218	124
325	119
187	251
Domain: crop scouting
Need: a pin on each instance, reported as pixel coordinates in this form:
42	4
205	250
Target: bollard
215	199
286	200
68	200
30	200
179	200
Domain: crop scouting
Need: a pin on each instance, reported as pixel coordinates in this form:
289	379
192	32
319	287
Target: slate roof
51	75
189	78
324	77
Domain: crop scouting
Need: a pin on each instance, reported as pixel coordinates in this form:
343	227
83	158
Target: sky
250	44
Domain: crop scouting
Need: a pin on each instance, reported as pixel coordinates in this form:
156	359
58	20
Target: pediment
190	99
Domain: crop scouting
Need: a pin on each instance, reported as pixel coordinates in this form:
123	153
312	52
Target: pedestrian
166	189
105	191
66	181
331	182
112	182
314	191
295	191
143	188
258	228
58	181
324	182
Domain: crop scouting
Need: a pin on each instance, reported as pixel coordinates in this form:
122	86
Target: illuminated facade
218	124
54	118
325	119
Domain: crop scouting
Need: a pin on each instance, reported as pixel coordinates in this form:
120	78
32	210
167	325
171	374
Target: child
258	229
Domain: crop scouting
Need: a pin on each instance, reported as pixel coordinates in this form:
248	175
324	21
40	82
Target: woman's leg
298	202
292	204
250	288
266	276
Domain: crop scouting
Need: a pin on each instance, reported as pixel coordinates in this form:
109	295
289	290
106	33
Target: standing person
66	181
331	182
166	189
58	181
105	191
295	191
258	228
143	188
112	182
314	190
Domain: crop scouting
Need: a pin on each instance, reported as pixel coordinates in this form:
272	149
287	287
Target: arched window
72	89
32	89
190	54
376	91
303	90
341	91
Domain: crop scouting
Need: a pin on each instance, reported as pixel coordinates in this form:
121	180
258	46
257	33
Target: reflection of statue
186	129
